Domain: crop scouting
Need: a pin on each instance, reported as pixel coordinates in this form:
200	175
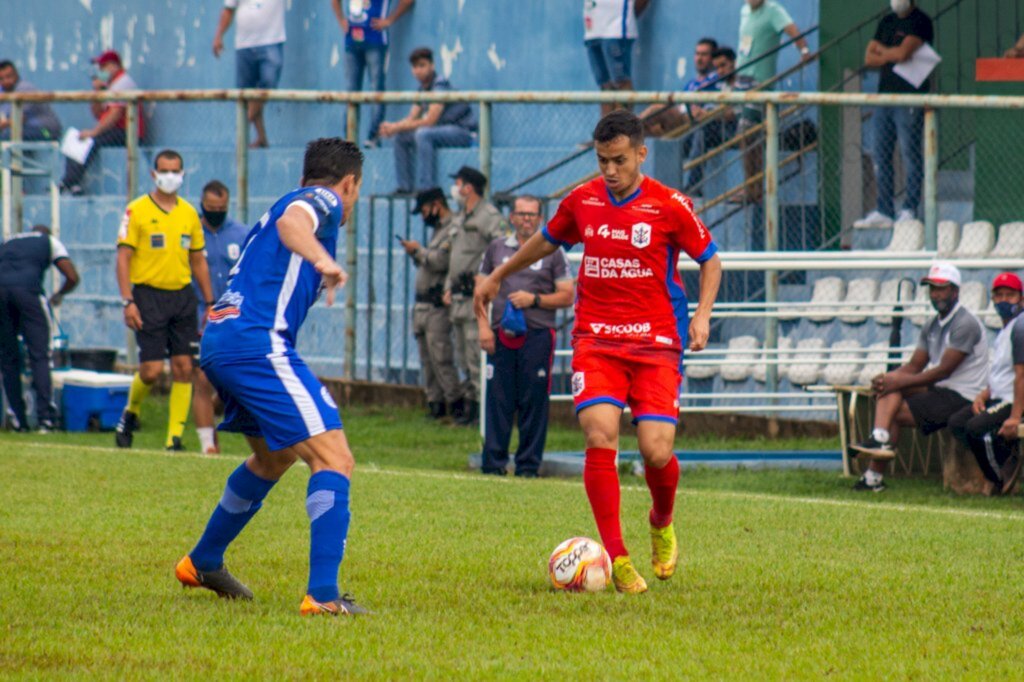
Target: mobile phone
399	237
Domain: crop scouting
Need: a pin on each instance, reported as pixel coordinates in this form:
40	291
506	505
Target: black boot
471	415
437	410
457	409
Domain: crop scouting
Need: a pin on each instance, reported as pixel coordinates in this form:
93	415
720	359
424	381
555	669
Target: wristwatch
536	301
209	304
125	302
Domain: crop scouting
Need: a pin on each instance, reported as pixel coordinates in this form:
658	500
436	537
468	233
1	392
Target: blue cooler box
86	395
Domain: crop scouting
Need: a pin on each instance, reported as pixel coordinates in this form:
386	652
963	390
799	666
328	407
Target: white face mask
900	6
168	182
457	195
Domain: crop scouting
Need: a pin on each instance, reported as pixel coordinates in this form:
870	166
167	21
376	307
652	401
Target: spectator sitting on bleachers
111	118
946	371
989	425
741	118
660	119
427	127
609	31
899	35
39	121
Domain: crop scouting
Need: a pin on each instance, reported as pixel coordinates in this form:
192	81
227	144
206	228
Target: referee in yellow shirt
159	250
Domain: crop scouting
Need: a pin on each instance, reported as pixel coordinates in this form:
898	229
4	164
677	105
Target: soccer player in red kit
631	326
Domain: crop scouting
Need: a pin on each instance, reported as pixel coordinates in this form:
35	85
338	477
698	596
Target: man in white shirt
259	50
609	30
989	425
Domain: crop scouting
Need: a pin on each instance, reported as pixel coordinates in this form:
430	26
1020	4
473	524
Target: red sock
601	479
662	484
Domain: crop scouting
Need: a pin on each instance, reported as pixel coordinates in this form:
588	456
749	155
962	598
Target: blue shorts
259	67
611	59
275	397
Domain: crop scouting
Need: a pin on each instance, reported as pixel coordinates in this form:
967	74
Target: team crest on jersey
234	251
589	232
578	384
641	235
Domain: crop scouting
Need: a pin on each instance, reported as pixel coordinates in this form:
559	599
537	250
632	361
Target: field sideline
783	574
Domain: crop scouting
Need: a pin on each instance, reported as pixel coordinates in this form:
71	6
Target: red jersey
629	288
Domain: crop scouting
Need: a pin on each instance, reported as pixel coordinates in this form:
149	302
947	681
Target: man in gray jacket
948	369
430	323
473	230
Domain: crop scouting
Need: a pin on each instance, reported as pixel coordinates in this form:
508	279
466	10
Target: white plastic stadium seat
829	290
1011	241
843	374
760	371
860	290
976	240
738	367
806	367
923	301
949	237
702	371
974	297
907	235
874	363
887	294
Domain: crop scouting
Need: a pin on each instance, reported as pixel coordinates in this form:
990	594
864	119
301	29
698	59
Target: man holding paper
901	50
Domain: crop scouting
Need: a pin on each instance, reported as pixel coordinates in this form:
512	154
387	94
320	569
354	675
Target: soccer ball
580	565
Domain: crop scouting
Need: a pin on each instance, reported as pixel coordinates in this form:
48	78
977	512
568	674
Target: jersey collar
631	197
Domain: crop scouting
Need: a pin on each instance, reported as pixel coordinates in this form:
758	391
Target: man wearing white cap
948	369
989	425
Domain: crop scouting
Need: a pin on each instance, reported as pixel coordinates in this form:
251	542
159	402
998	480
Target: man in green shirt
761	22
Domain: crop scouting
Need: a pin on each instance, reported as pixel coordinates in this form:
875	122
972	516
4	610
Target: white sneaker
905	214
874	219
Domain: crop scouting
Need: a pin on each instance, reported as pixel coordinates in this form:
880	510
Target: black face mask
215	218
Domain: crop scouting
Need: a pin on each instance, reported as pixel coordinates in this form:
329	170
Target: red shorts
647	382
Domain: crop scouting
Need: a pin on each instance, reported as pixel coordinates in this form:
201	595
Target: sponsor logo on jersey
615	268
641	235
647	208
186	241
604	231
663	339
578	384
122	231
593	201
227	308
631	329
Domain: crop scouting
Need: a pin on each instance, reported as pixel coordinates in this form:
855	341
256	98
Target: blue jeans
907	125
369	60
259	67
611	59
418	146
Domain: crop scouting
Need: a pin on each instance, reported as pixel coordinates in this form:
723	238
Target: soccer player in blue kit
270	395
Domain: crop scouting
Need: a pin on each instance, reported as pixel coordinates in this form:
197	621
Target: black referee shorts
933	408
169	324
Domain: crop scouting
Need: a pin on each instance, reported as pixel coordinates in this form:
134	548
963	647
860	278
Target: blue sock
243	497
327	506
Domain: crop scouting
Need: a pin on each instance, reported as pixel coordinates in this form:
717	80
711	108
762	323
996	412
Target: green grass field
783	574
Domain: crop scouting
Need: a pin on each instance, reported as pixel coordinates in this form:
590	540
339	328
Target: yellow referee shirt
162	241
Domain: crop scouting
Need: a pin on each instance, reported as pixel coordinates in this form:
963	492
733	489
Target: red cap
107	57
1008	280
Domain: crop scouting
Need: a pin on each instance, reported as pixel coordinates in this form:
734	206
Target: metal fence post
485	147
771	241
131	147
242	161
931	179
17	192
352	221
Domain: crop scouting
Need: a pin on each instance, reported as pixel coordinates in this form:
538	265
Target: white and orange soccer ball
580	565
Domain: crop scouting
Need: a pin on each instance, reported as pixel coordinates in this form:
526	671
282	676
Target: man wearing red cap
948	368
111	118
989	425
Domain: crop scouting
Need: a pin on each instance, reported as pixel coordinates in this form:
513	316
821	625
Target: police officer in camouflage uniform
472	231
430	323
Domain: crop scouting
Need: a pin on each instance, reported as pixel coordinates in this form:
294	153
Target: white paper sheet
74	147
920	65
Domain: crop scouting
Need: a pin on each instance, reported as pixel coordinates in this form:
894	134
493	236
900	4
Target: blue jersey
271	289
359	14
